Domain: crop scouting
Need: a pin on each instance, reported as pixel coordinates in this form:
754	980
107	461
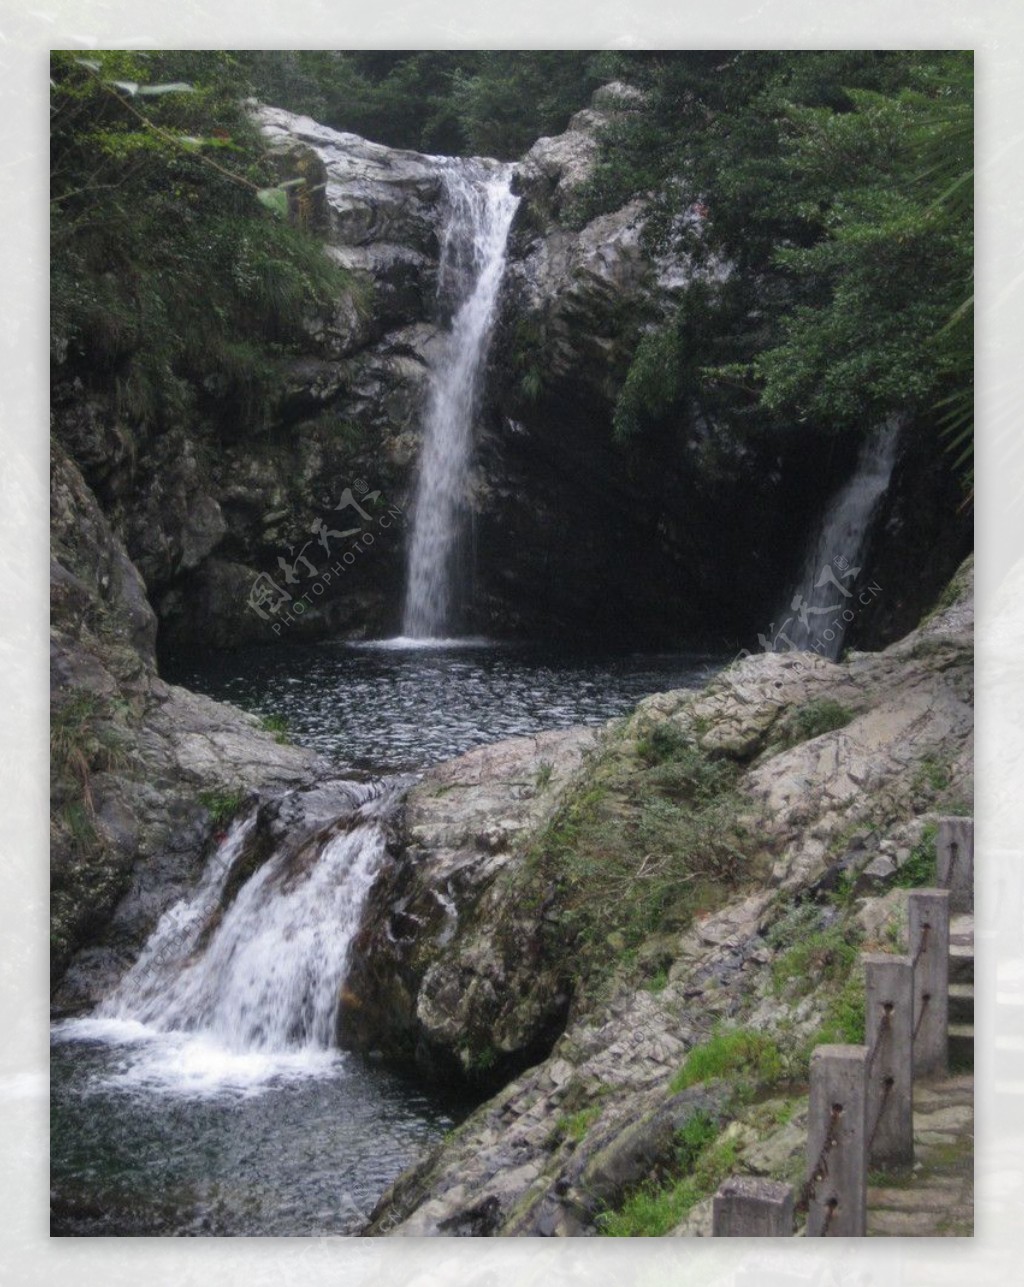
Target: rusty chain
925	998
831	1207
887	1086
820	1168
884	1028
923	943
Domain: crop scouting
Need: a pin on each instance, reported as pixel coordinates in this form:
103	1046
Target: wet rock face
204	507
578	535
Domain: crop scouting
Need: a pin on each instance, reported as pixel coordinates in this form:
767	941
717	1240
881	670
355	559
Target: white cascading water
834	554
480	207
265	981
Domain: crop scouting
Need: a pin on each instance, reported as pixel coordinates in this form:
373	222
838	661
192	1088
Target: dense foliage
172	282
839	186
453	102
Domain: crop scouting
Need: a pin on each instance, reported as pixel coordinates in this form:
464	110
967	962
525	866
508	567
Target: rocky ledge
680	894
144	774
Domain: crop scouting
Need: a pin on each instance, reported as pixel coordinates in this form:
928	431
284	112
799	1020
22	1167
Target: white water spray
252	992
480	209
834	555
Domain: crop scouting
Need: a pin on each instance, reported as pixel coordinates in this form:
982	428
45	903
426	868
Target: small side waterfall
265	975
480	207
832	566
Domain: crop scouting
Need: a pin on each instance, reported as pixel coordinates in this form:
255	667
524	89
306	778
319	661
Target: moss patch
743	1056
654	834
702	1161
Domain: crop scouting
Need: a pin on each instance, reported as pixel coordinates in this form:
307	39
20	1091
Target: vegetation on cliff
175	285
840	186
457	102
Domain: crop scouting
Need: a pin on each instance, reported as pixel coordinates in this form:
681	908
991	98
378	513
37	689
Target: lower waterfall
249	990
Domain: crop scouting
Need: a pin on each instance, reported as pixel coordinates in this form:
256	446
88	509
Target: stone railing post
747	1206
836	1189
889	1023
954	862
928	919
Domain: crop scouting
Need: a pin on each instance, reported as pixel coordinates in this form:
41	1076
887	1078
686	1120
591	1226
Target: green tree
453	102
172	284
837	183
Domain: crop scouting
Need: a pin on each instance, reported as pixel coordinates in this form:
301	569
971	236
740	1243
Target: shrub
222	805
823	958
576	1125
661	742
748	1057
278	725
920	868
845	1018
814	719
700	1165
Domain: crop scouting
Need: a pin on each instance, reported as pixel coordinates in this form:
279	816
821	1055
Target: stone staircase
935	1199
961	991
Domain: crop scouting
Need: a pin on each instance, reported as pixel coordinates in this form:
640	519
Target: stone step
961	963
961	930
961	1044
961	1003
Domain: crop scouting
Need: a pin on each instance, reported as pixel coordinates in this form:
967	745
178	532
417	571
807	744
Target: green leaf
275	199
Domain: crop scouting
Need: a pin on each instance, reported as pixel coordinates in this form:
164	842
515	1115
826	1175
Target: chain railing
898	1027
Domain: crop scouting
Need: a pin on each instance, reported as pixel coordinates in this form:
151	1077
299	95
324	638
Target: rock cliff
143	772
575	534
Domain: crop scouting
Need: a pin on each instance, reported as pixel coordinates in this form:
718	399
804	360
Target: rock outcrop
143	772
839	769
451	973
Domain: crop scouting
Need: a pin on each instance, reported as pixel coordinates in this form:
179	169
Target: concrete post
954	862
889	1014
837	1143
747	1206
928	918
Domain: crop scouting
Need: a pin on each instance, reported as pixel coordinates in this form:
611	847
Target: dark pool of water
392	708
305	1153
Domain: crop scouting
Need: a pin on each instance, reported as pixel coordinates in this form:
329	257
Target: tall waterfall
480	207
831	569
266	975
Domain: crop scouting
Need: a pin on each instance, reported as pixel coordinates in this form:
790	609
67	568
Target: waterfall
479	206
829	578
265	974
